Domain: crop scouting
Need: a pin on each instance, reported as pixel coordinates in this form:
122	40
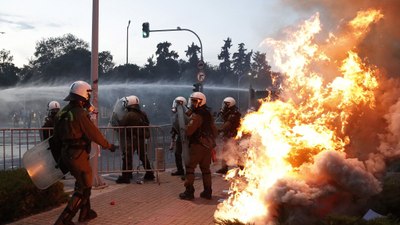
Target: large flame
291	135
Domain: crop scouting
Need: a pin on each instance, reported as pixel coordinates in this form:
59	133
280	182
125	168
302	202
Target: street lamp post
127	40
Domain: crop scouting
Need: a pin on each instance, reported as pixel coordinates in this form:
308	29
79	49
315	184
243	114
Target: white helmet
53	105
130	101
79	90
181	100
228	102
178	101
197	99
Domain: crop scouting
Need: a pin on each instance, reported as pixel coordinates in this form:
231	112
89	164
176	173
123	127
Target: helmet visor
194	102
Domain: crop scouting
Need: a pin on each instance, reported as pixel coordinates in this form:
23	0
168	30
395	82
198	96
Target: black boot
188	194
178	173
70	210
207	193
65	218
223	170
149	176
123	180
86	213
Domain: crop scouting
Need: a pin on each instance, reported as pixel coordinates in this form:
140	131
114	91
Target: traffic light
146	30
198	87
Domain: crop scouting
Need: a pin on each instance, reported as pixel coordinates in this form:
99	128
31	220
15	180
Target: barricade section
146	142
14	143
140	149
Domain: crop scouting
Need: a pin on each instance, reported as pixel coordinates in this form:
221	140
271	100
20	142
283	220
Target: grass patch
19	197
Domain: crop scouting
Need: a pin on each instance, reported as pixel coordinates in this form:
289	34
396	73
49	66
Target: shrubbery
19	197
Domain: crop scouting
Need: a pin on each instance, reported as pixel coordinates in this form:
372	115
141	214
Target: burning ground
323	147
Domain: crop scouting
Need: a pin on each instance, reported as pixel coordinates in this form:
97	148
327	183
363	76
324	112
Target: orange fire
288	136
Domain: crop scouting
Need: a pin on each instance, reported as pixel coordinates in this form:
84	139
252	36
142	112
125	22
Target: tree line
68	58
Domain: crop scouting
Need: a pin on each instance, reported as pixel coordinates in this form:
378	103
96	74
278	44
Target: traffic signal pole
198	87
179	29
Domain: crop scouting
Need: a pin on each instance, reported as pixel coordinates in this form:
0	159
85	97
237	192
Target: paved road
151	203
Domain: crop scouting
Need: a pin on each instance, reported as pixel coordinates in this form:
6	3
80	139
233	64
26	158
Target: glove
189	112
112	148
172	145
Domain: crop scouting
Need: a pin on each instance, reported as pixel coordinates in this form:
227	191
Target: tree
125	72
73	65
241	61
225	65
191	53
261	70
189	69
8	71
149	67
49	49
106	63
163	52
66	57
5	56
167	66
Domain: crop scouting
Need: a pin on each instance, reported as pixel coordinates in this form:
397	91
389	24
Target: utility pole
97	181
127	40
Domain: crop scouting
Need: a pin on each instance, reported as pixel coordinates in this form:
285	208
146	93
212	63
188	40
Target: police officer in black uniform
53	108
75	131
231	121
176	135
132	139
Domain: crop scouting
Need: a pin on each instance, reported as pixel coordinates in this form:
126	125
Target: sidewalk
150	203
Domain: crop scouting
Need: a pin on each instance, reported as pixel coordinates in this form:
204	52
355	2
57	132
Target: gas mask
89	107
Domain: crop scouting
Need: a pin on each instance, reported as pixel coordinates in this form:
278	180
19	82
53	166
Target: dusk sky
25	22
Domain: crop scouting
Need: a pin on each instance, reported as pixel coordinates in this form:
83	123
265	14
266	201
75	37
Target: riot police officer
231	121
133	139
201	132
176	135
75	130
53	108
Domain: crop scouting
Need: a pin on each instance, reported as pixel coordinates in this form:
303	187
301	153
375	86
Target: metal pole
127	40
97	182
238	91
238	104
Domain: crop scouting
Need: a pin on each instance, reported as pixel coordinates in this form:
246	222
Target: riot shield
41	166
182	133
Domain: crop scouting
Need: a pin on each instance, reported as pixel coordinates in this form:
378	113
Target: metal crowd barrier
148	142
14	142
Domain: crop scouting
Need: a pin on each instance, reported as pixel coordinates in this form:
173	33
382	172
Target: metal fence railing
14	142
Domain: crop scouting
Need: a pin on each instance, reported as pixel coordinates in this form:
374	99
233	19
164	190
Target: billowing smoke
382	44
